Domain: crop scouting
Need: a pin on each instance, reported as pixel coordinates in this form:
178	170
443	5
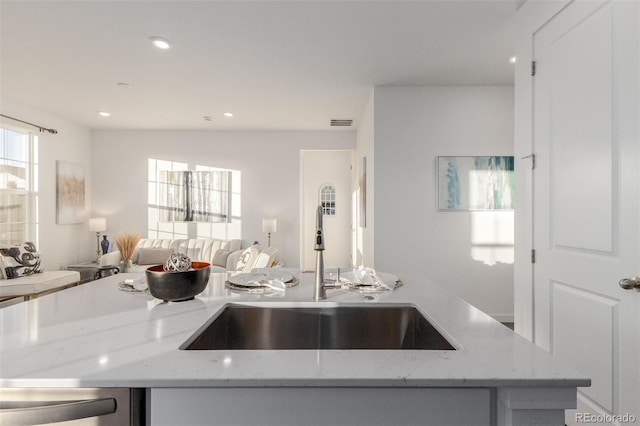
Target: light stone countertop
95	335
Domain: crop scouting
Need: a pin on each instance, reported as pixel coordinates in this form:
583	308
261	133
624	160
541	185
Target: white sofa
223	255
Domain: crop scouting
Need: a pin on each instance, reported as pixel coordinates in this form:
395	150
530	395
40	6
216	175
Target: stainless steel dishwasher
72	406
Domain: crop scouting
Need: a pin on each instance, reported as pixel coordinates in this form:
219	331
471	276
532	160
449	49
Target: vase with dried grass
127	244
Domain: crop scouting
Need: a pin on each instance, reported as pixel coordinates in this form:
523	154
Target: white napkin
135	285
389	281
368	276
273	284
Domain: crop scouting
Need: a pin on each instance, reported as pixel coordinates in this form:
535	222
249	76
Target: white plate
248	279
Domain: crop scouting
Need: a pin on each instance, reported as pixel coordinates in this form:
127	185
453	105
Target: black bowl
178	286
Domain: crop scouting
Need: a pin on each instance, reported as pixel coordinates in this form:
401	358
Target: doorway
326	179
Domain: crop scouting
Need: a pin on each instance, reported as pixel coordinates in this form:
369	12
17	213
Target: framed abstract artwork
475	183
70	185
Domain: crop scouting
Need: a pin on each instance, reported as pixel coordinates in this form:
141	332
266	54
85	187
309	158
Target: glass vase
126	266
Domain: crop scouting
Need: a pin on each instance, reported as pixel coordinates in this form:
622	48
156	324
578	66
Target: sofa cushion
175	245
220	258
153	256
20	261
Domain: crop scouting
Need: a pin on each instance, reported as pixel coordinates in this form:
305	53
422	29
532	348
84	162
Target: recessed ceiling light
208	118
228	114
512	60
123	85
160	42
104	113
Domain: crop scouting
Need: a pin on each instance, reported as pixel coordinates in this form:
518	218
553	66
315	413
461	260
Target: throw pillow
20	261
255	252
220	258
267	258
243	259
2	275
153	256
248	258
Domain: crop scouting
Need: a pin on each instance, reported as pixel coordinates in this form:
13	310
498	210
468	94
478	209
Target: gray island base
361	406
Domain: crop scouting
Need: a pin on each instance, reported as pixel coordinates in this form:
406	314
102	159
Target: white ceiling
274	64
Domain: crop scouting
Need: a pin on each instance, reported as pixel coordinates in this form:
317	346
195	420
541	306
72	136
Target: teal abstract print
476	183
453	185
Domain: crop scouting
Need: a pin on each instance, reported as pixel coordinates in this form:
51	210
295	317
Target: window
193	201
18	187
328	200
195	196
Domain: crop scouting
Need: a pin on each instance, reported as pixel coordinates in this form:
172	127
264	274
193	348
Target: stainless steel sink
342	327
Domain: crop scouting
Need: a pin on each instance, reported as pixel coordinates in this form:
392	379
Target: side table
93	271
106	271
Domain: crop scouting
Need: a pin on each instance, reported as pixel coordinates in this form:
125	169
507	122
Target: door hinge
533	68
533	160
533	256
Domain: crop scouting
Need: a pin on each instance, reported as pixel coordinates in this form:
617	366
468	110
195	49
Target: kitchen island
96	335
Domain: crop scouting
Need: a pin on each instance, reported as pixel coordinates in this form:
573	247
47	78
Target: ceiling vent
341	123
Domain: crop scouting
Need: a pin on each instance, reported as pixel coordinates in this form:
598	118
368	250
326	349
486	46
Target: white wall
268	161
364	255
58	244
414	125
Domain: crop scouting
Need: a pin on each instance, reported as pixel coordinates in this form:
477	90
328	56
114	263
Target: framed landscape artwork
475	183
70	184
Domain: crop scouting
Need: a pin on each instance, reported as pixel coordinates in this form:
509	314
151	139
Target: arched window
328	200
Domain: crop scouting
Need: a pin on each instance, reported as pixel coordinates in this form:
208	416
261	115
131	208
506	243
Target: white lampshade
269	225
98	224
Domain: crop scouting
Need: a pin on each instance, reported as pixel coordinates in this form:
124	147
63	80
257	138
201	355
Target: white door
586	200
326	169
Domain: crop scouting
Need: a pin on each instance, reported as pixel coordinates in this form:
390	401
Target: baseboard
586	406
502	317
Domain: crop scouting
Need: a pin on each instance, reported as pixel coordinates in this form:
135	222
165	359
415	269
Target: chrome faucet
319	289
322	285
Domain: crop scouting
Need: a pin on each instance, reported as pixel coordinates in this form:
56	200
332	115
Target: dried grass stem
127	244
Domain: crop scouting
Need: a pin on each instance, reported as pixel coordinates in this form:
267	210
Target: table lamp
98	225
269	226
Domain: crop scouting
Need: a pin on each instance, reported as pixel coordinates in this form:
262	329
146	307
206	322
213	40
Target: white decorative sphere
177	262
